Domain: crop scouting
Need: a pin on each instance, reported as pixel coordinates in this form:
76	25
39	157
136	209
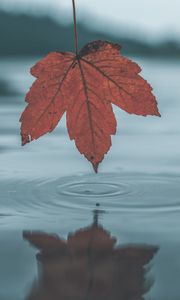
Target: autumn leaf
84	86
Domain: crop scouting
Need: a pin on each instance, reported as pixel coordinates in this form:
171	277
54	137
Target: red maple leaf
85	85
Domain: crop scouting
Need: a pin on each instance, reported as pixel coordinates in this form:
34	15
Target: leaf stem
75	27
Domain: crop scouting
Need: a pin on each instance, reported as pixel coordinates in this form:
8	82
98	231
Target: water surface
50	201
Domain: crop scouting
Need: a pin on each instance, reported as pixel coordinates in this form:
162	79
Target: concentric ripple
114	192
93	189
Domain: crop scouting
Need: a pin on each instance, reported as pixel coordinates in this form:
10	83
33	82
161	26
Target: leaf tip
95	167
158	114
25	139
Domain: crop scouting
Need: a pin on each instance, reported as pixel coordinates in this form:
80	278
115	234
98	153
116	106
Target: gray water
47	186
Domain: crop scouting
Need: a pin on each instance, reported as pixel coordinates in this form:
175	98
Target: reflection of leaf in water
88	266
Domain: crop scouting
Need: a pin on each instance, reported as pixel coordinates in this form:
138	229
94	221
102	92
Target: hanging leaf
85	86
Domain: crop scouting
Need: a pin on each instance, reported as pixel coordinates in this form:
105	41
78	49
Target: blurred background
32	27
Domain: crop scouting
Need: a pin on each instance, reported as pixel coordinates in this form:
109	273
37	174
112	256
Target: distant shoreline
28	35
